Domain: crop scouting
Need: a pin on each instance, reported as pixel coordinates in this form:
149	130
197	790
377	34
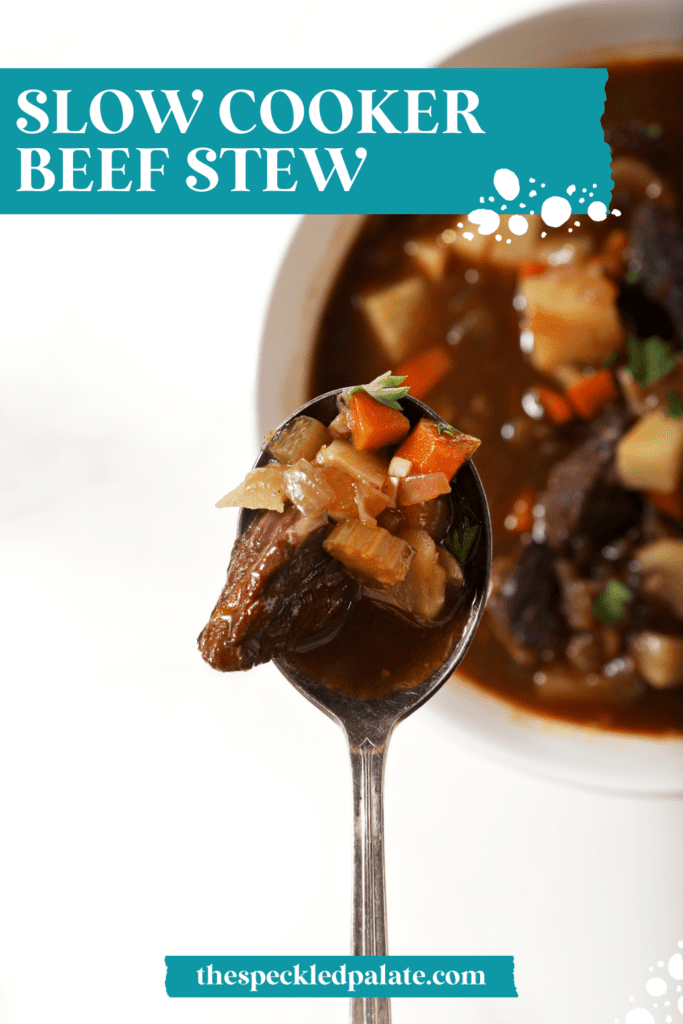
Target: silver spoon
368	724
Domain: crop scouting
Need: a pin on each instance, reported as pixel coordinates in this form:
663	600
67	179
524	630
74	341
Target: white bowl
578	754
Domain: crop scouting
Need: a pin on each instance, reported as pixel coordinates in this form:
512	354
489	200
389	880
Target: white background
147	804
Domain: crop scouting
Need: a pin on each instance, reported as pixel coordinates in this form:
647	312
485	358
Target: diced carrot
520	518
592	394
532	268
424	371
557	408
374	425
432	452
670	504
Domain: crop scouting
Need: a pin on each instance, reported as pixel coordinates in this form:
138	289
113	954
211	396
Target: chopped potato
362	466
565	685
262	488
573	316
658	658
370	553
397	314
430	256
662	566
301	439
650	456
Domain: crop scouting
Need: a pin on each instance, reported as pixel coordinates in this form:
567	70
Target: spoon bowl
369	723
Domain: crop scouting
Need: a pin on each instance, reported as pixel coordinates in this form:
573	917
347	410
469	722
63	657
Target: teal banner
302	141
230	977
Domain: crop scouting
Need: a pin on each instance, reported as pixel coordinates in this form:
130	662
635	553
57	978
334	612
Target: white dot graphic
556	211
506	183
518	225
639	1016
675	966
571	190
487	220
655	986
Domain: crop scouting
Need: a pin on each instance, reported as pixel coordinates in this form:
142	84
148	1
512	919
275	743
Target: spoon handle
369	930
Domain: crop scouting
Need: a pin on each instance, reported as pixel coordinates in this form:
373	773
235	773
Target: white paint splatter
571	190
597	211
639	1016
488	221
675	966
655	986
506	183
556	211
468	235
518	225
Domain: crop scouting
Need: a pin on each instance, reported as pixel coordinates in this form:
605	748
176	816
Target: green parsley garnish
675	407
612	359
632	277
447	429
463	538
611	604
384	389
650	360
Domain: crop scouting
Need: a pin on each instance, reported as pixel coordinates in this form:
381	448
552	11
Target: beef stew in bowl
561	349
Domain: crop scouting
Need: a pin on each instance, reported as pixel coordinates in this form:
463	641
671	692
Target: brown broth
378	652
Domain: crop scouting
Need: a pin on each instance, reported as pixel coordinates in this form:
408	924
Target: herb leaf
675	407
611	604
654	131
650	360
632	277
462	540
385	389
447	429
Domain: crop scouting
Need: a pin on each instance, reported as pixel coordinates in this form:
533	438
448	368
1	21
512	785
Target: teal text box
106	144
230	977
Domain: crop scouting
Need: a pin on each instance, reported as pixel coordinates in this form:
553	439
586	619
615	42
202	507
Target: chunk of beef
656	243
525	610
580	497
282	589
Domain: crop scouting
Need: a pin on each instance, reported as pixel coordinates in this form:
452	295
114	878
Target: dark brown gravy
489	368
378	652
